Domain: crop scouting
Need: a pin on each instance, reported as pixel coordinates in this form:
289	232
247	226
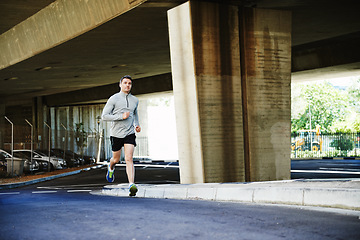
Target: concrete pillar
143	135
42	115
231	80
2	125
266	72
205	59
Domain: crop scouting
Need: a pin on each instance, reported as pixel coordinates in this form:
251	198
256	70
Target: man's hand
138	128
125	115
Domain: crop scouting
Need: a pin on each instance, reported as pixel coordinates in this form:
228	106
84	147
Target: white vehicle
55	163
28	165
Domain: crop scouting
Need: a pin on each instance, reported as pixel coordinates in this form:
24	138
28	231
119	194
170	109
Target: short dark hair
126	76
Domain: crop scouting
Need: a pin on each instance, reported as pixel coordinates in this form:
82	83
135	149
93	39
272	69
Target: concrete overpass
59	53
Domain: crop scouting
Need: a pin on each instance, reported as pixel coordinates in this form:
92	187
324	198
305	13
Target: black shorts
118	143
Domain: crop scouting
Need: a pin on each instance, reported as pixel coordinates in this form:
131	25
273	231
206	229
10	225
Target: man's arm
136	120
107	114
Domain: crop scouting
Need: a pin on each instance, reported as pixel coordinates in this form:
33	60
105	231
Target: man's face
125	85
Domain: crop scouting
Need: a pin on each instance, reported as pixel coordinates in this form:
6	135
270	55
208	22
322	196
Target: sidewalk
337	193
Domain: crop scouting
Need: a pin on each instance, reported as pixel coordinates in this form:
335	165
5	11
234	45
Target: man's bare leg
110	177
130	170
115	159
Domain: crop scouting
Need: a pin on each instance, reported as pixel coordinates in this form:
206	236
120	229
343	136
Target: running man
121	110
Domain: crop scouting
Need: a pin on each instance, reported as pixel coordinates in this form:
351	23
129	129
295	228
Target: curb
21	184
342	198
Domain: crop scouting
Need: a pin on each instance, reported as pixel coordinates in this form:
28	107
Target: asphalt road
64	209
325	168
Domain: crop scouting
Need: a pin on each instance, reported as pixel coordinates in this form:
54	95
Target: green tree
321	102
80	136
352	121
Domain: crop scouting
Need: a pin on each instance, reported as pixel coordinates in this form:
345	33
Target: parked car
43	164
71	160
76	156
3	162
89	159
29	166
55	163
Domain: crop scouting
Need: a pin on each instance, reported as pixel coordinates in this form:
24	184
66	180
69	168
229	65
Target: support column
266	78
205	60
231	79
2	125
42	115
142	137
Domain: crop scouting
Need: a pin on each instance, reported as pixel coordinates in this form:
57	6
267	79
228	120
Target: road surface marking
44	192
9	193
71	186
321	171
80	190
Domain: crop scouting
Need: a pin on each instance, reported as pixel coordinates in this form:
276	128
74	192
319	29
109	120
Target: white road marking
322	171
40	192
148	165
340	169
80	190
71	186
9	193
55	188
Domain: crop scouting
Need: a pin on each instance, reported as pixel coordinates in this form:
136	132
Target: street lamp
12	146
64	139
31	147
49	144
98	118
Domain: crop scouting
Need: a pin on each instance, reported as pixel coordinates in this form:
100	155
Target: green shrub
343	144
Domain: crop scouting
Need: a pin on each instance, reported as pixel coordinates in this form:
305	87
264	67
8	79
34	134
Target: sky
343	82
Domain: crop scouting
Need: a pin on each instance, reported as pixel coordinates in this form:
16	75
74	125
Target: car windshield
21	155
5	155
25	153
40	153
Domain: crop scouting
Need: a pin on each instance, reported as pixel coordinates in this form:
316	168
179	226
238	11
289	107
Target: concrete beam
59	22
332	53
148	85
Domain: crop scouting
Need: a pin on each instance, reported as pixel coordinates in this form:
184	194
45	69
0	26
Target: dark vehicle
76	156
89	159
83	159
71	160
79	160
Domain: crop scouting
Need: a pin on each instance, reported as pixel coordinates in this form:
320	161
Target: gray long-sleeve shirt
116	105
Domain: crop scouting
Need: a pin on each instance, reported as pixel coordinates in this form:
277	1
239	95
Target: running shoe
133	190
110	176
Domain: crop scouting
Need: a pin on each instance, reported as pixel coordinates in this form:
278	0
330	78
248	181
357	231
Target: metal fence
325	145
85	143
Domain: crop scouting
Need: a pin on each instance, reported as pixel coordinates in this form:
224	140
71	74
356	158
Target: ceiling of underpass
137	43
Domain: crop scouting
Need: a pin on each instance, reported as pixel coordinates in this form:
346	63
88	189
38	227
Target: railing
330	145
84	143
